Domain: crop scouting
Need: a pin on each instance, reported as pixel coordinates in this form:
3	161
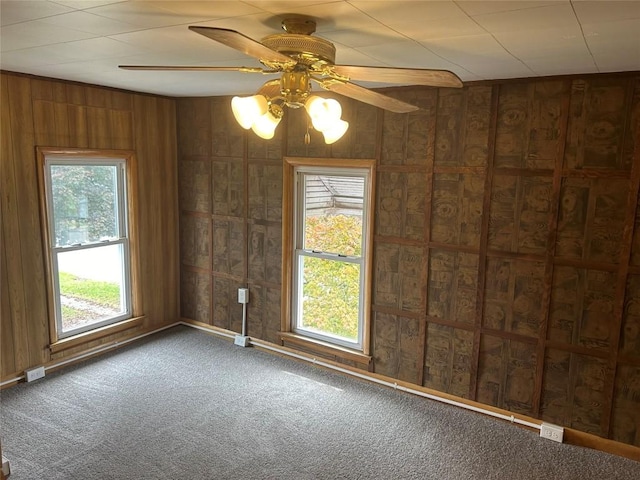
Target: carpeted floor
183	404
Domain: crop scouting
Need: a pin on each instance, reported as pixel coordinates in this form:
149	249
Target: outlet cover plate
552	432
34	374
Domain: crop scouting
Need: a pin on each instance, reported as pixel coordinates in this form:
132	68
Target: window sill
326	349
96	334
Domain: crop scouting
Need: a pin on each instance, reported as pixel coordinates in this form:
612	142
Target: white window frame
122	239
299	253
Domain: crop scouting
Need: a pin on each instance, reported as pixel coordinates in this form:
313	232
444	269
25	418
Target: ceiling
86	40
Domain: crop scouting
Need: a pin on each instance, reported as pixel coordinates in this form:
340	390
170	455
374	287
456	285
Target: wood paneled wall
49	113
507	239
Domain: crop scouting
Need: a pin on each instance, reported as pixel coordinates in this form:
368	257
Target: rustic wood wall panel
51	113
630	342
227	137
520	211
194	126
529	116
195	237
263	316
229	247
513	289
626	414
499	252
265	253
506	373
582	303
591	219
227	312
635	246
397	345
456	209
462	128
363	132
400	205
195	185
399	270
453	286
448	359
597	121
573	391
265	192
195	295
228	187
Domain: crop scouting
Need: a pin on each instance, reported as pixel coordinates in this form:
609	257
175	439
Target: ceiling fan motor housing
306	50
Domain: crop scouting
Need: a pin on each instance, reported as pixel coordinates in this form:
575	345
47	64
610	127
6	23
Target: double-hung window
329	256
88	241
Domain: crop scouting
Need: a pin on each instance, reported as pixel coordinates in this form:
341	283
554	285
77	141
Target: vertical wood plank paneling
61	114
14	325
7	338
23	137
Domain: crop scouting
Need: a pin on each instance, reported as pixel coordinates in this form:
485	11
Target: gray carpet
183	404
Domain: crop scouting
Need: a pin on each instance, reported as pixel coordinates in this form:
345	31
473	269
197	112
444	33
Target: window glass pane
333	214
91	285
84	203
330	297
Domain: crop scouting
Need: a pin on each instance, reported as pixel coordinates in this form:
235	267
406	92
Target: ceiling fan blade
195	68
368	96
246	45
411	76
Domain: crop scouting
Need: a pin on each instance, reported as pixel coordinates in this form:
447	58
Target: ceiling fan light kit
301	59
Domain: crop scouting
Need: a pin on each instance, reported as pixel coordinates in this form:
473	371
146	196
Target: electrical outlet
243	295
34	374
552	432
241	340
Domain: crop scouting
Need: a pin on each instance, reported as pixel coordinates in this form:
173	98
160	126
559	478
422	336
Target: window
330	253
88	241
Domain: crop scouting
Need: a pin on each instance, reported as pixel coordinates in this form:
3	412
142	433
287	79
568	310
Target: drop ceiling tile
562	65
500	69
16	11
351	56
543	43
452	27
622	32
355	39
141	14
468	49
30	57
406	54
94	48
36	33
556	16
206	9
179	39
599	11
476	7
90	23
389	13
84	4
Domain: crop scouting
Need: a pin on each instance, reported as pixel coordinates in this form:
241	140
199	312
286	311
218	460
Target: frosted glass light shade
324	112
247	110
335	132
265	125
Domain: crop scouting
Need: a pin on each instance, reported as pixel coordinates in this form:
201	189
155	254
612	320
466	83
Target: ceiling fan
302	59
